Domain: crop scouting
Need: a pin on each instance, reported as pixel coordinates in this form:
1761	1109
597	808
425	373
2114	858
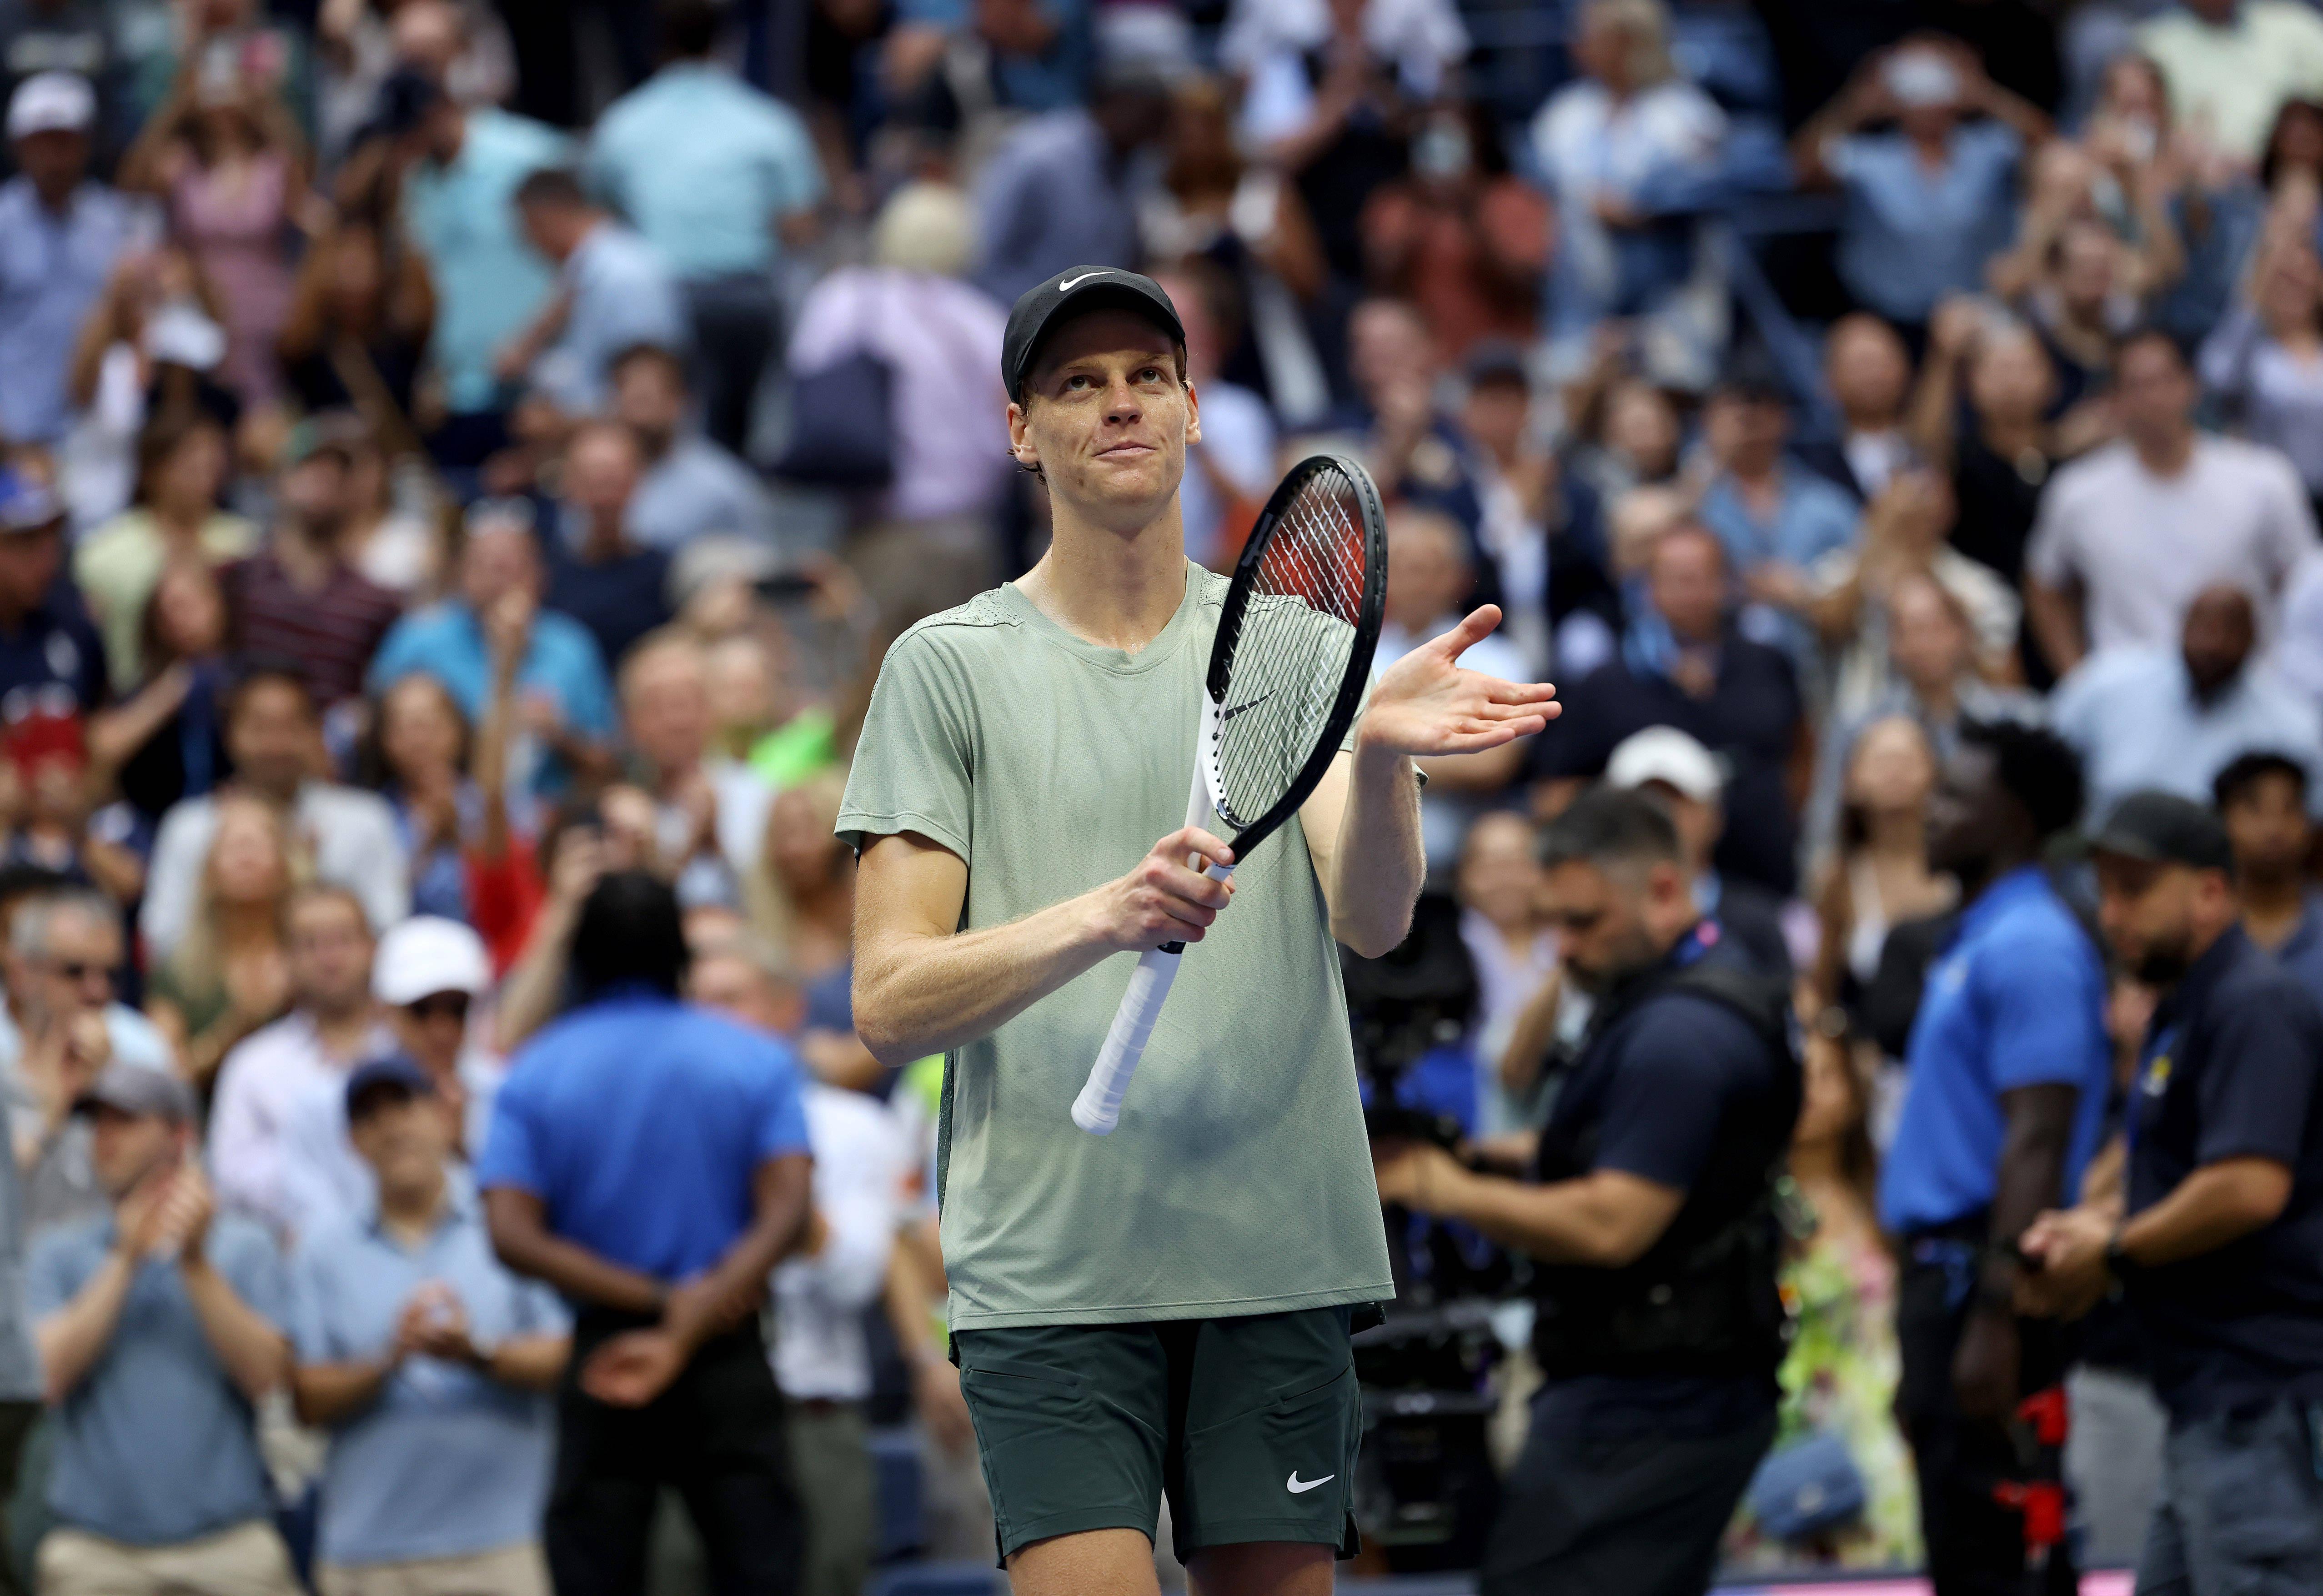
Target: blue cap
400	1070
26	503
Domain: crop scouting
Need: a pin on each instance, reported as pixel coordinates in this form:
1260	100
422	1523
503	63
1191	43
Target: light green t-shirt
1239	1180
119	564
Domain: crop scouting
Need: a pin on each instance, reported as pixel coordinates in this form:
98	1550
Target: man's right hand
1165	899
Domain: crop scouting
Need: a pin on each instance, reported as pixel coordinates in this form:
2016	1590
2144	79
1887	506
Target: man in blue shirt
2009	1069
613	292
2219	1245
2262	800
60	235
650	1162
718	177
693	486
156	1327
1776	517
428	1363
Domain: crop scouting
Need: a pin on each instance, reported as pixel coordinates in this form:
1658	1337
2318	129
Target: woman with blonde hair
232	975
801	900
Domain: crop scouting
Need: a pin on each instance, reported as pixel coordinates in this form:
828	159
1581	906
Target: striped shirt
332	632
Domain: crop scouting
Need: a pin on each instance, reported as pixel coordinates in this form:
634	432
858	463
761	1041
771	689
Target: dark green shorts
1249	1425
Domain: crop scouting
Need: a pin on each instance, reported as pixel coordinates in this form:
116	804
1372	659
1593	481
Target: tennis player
1165	1309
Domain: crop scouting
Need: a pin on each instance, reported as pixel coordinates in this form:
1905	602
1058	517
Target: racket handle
1098	1107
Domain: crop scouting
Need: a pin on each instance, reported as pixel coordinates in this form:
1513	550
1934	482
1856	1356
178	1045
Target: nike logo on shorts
1298	1486
1071	283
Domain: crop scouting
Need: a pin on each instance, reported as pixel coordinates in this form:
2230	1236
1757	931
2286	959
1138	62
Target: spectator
1684	664
2097	243
560	674
1429	583
805	907
822	1358
2010	1070
2128	535
75	36
356	331
1462	237
1682	776
461	166
157	1331
61	1025
711	811
1231	468
2262	800
391	534
1627	430
668	1150
298	598
1876	876
2082	298
929	545
1512	947
51	664
231	975
1929	203
1531	517
1776	517
598	573
692	486
613	293
2230	65
427	1361
721	179
2172	718
265	1168
274	737
429	976
1413	446
2265	359
1057	195
1631	152
182	466
78	228
223	156
422	751
1868	371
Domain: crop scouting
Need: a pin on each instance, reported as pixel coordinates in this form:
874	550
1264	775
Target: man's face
499	559
29	562
433	1029
600	471
1924	637
667	707
1687	585
330	954
1968	813
1427	569
1388	343
648	397
2217	639
736	990
2145	911
272	735
126	1148
2011	378
1600	920
405	1136
84	954
1498	878
1495	416
2266	826
315	488
55	160
1869	369
1107	419
2153	392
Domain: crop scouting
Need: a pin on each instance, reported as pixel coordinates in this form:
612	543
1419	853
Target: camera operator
1652	1224
2221	1253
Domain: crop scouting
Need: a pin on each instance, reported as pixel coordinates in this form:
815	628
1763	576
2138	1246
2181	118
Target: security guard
2221	1251
1658	1327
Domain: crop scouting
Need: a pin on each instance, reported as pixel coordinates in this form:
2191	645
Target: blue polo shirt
2301	952
447	641
155	1446
641	1122
448	1461
2017	1000
53	268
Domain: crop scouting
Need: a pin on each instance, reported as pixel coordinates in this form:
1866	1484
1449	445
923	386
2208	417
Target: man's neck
1115	589
1975	880
605	539
56	202
343	1031
308	553
2165	456
411	1215
1870	424
2272	906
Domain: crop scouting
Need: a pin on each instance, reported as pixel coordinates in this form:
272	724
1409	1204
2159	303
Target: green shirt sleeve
915	763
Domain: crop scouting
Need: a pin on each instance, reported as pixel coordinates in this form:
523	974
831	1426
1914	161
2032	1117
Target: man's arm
255	1354
529	1362
923	986
2055	617
2030	1175
519	1222
71	1339
1605	1219
2217	1204
736	1285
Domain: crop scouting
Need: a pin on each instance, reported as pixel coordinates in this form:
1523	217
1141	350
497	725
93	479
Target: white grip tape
1098	1107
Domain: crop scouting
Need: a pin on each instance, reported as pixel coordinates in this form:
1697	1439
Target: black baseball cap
395	1072
2163	829
1070	293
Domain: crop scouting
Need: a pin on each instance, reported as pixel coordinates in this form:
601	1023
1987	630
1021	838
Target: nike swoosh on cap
1071	283
1296	1487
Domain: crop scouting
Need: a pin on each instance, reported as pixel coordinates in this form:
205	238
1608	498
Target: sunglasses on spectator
440	1005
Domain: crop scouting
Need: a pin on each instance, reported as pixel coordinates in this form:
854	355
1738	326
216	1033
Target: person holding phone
156	1323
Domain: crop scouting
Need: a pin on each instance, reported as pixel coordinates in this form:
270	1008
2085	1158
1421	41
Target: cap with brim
2163	829
1076	292
397	1072
1664	754
52	102
181	335
428	954
339	432
27	504
137	1090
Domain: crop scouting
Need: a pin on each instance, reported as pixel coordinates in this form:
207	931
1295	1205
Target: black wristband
2120	1264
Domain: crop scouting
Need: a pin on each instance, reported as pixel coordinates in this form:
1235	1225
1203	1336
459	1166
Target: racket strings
1291	652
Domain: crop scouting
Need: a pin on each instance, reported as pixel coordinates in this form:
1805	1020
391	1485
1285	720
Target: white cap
428	954
1665	754
179	334
52	102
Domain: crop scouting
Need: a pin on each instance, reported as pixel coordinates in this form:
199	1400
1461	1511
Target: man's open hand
1424	703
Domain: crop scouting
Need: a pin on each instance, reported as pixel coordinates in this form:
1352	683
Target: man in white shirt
2230	64
821	1360
261	1166
2128	535
711	811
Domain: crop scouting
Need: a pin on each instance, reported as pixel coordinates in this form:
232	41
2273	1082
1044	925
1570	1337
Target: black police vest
1703	1300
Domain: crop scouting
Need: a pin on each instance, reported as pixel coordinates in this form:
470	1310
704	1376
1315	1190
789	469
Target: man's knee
1087	1562
1263	1568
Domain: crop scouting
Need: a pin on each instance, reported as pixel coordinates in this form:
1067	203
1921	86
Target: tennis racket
1286	671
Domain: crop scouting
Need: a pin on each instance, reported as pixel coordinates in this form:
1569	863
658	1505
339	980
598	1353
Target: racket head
1294	645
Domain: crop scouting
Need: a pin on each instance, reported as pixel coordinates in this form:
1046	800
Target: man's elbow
2258	1194
1374	937
878	1028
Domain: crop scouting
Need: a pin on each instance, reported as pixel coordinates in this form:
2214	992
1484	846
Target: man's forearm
521	1240
916	994
2030	1176
2056	625
529	1362
71	1340
738	1282
254	1355
2217	1204
325	1393
1379	862
1603	1220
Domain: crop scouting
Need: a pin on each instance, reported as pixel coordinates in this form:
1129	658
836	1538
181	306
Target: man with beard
2220	1252
1651	1222
2009	1069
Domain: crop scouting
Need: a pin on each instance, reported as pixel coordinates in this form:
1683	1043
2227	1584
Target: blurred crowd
453	449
